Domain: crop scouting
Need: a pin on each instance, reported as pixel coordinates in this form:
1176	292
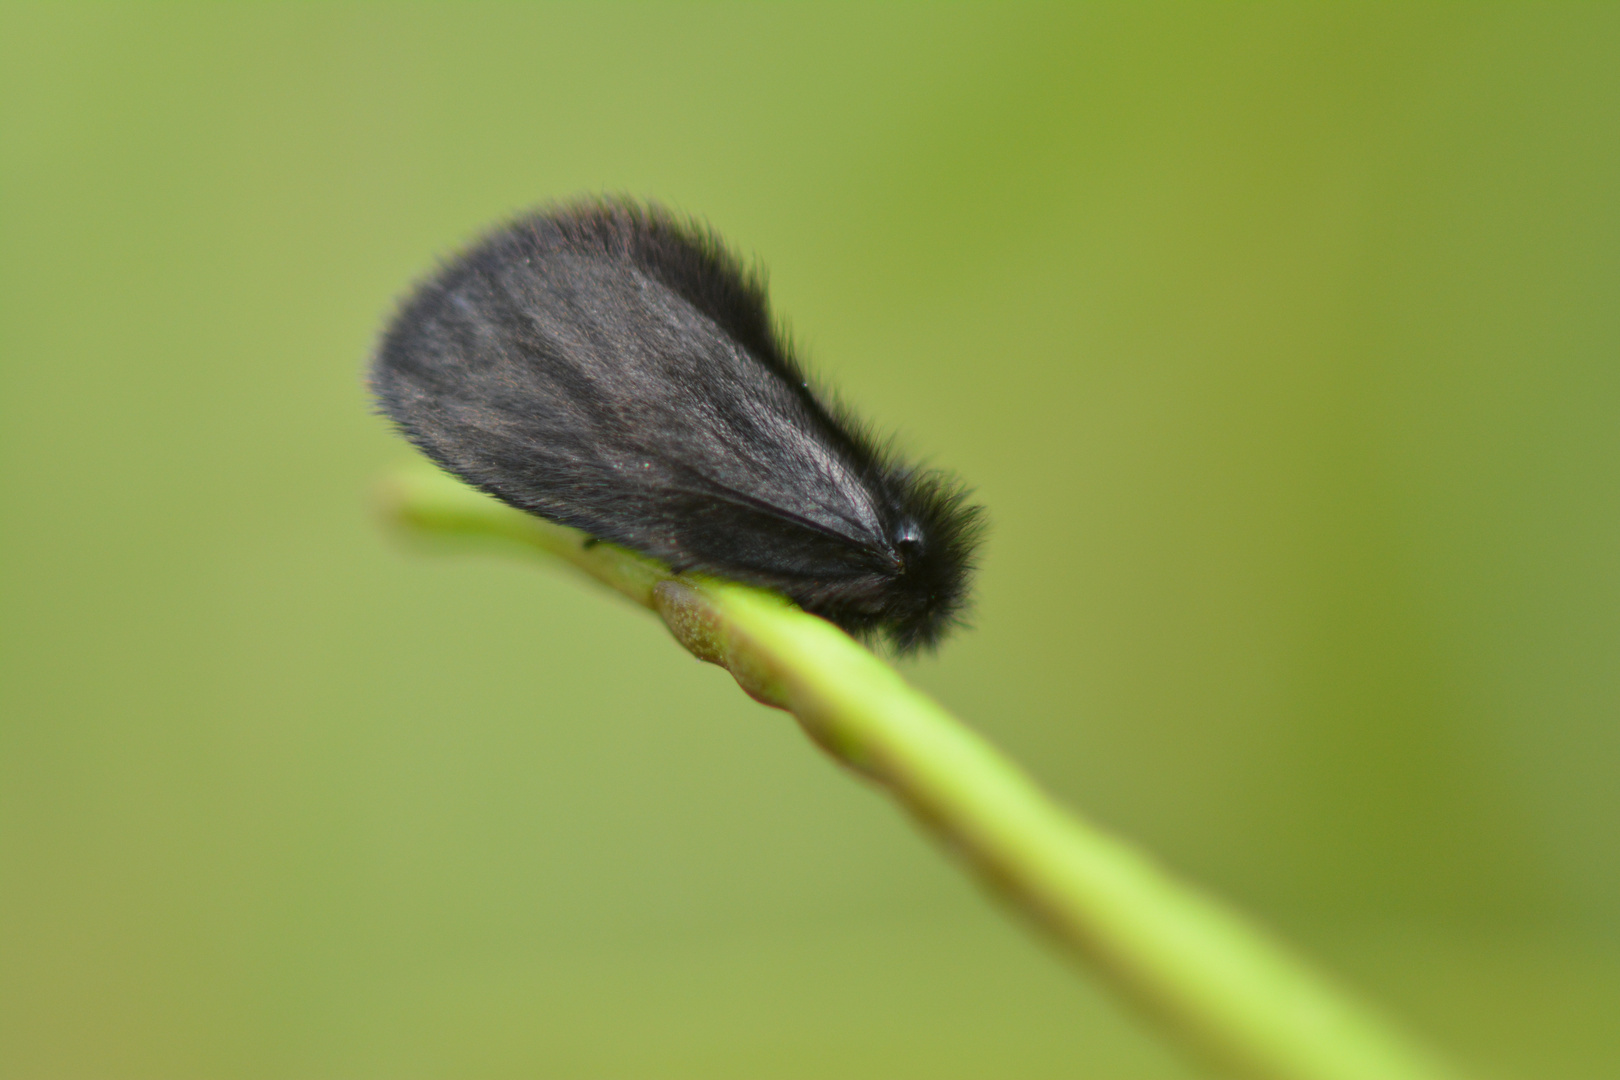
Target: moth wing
577	386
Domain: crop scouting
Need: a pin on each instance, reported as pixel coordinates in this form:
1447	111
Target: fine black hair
610	366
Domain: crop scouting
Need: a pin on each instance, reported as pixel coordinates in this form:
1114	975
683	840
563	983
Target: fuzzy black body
610	367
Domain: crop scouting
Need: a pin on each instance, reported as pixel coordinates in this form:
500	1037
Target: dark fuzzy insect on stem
609	366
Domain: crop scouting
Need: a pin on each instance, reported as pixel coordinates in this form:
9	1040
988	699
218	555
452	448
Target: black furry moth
610	366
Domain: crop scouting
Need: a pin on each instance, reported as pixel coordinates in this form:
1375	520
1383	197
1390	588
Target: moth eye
908	538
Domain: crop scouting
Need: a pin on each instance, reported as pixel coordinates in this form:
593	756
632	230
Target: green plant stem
1209	977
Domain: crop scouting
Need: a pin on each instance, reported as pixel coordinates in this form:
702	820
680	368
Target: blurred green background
1282	342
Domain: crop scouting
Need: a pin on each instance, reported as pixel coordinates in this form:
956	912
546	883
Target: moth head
933	538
